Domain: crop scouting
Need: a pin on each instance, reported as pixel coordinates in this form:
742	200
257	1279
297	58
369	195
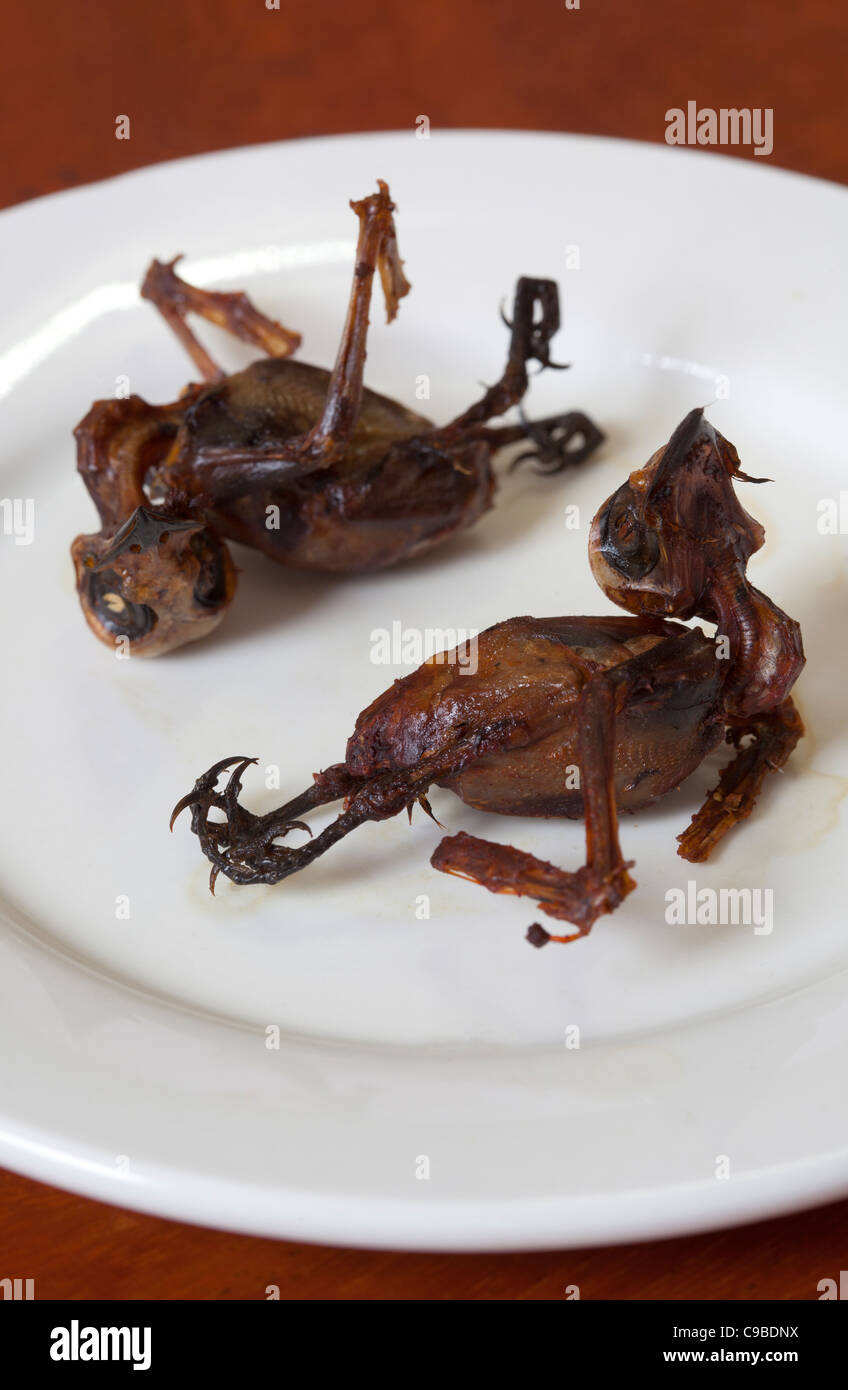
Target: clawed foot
561	441
240	846
537	316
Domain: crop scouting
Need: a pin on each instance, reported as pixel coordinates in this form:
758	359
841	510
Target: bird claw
540	350
204	795
555	441
240	845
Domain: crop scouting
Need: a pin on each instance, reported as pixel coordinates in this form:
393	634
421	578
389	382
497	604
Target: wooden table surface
202	76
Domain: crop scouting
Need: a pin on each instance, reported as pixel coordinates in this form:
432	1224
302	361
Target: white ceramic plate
135	1059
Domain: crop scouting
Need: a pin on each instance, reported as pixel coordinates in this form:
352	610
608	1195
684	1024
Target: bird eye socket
627	544
624	526
119	615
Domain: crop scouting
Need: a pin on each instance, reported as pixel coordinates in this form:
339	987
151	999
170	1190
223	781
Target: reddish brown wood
74	1248
195	77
